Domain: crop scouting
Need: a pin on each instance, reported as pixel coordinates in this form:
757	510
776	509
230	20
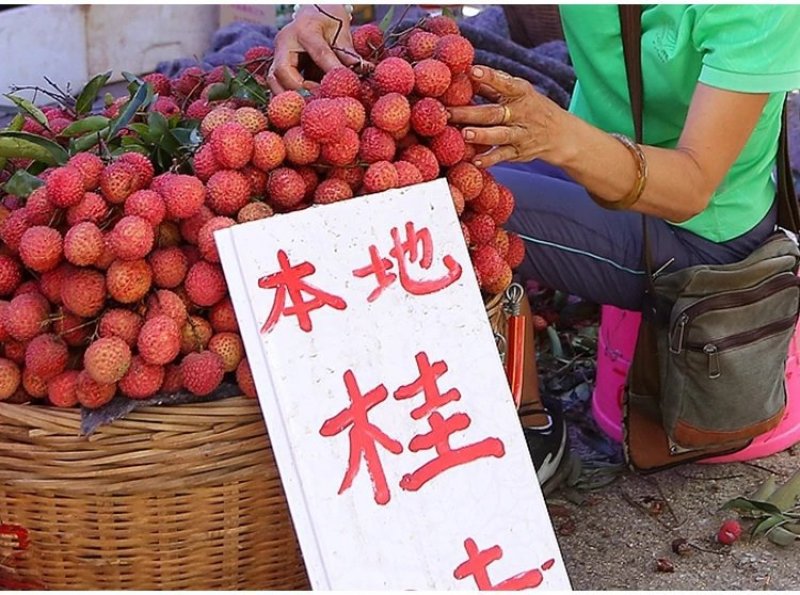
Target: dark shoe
548	443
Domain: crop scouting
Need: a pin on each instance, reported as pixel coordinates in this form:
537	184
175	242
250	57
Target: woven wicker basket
169	498
179	497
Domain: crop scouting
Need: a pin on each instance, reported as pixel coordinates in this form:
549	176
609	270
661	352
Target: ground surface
610	541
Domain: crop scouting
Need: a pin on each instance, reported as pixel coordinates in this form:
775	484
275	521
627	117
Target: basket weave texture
183	497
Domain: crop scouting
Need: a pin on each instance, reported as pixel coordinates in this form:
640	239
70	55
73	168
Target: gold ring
506	115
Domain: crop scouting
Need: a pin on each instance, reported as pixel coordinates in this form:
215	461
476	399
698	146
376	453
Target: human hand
520	125
315	31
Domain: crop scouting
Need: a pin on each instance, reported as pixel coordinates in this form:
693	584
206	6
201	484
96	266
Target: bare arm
681	181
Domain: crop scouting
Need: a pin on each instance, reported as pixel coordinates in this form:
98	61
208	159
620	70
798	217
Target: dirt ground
610	539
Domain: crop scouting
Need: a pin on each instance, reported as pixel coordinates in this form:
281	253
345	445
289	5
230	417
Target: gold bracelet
641	177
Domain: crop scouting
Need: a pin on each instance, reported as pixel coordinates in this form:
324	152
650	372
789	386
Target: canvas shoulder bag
708	371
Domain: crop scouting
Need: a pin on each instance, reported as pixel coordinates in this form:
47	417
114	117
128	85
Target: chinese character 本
289	282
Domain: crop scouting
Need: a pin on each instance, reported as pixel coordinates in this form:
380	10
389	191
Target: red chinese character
441	429
407	252
290	280
363	436
477	564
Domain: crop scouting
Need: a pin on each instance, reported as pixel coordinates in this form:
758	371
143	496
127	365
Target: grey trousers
578	247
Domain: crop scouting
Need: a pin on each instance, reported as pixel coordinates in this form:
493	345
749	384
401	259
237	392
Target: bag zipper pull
713	360
679	330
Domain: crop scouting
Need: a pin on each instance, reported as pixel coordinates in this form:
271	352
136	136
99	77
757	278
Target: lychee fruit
269	151
83	292
65	186
41	248
394	75
380	176
340	82
205	284
107	359
232	145
46	356
62	389
142	380
323	120
428	117
285	109
202	372
227	191
159	341
169	266
121	323
286	188
128	281
455	51
376	145
132	238
10	378
301	149
92	394
431	78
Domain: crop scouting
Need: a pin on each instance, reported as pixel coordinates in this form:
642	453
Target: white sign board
385	399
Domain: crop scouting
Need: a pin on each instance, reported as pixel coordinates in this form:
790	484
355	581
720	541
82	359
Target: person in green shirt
715	80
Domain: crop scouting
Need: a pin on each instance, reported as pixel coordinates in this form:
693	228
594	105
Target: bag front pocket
723	363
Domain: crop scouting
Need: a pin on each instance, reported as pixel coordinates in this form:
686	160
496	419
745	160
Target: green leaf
30	109
84	125
219	91
386	21
187	137
786	496
764	490
158	123
30	146
16	123
22	184
766	525
555	342
748	505
86	142
89	92
129	111
134	82
780	536
143	130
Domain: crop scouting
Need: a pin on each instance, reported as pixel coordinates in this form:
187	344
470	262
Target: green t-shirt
747	48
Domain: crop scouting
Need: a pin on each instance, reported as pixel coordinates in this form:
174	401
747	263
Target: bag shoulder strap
630	16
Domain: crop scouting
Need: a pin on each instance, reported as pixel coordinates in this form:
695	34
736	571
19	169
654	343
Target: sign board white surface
385	399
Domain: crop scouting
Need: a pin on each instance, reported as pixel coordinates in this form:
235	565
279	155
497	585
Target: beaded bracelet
641	177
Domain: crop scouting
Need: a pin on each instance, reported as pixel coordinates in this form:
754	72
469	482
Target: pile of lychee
110	281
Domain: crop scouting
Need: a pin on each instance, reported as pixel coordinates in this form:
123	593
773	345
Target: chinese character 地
363	435
408	252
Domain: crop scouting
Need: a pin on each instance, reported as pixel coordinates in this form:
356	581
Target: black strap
630	18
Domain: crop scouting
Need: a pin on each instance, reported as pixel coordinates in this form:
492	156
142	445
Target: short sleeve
749	48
